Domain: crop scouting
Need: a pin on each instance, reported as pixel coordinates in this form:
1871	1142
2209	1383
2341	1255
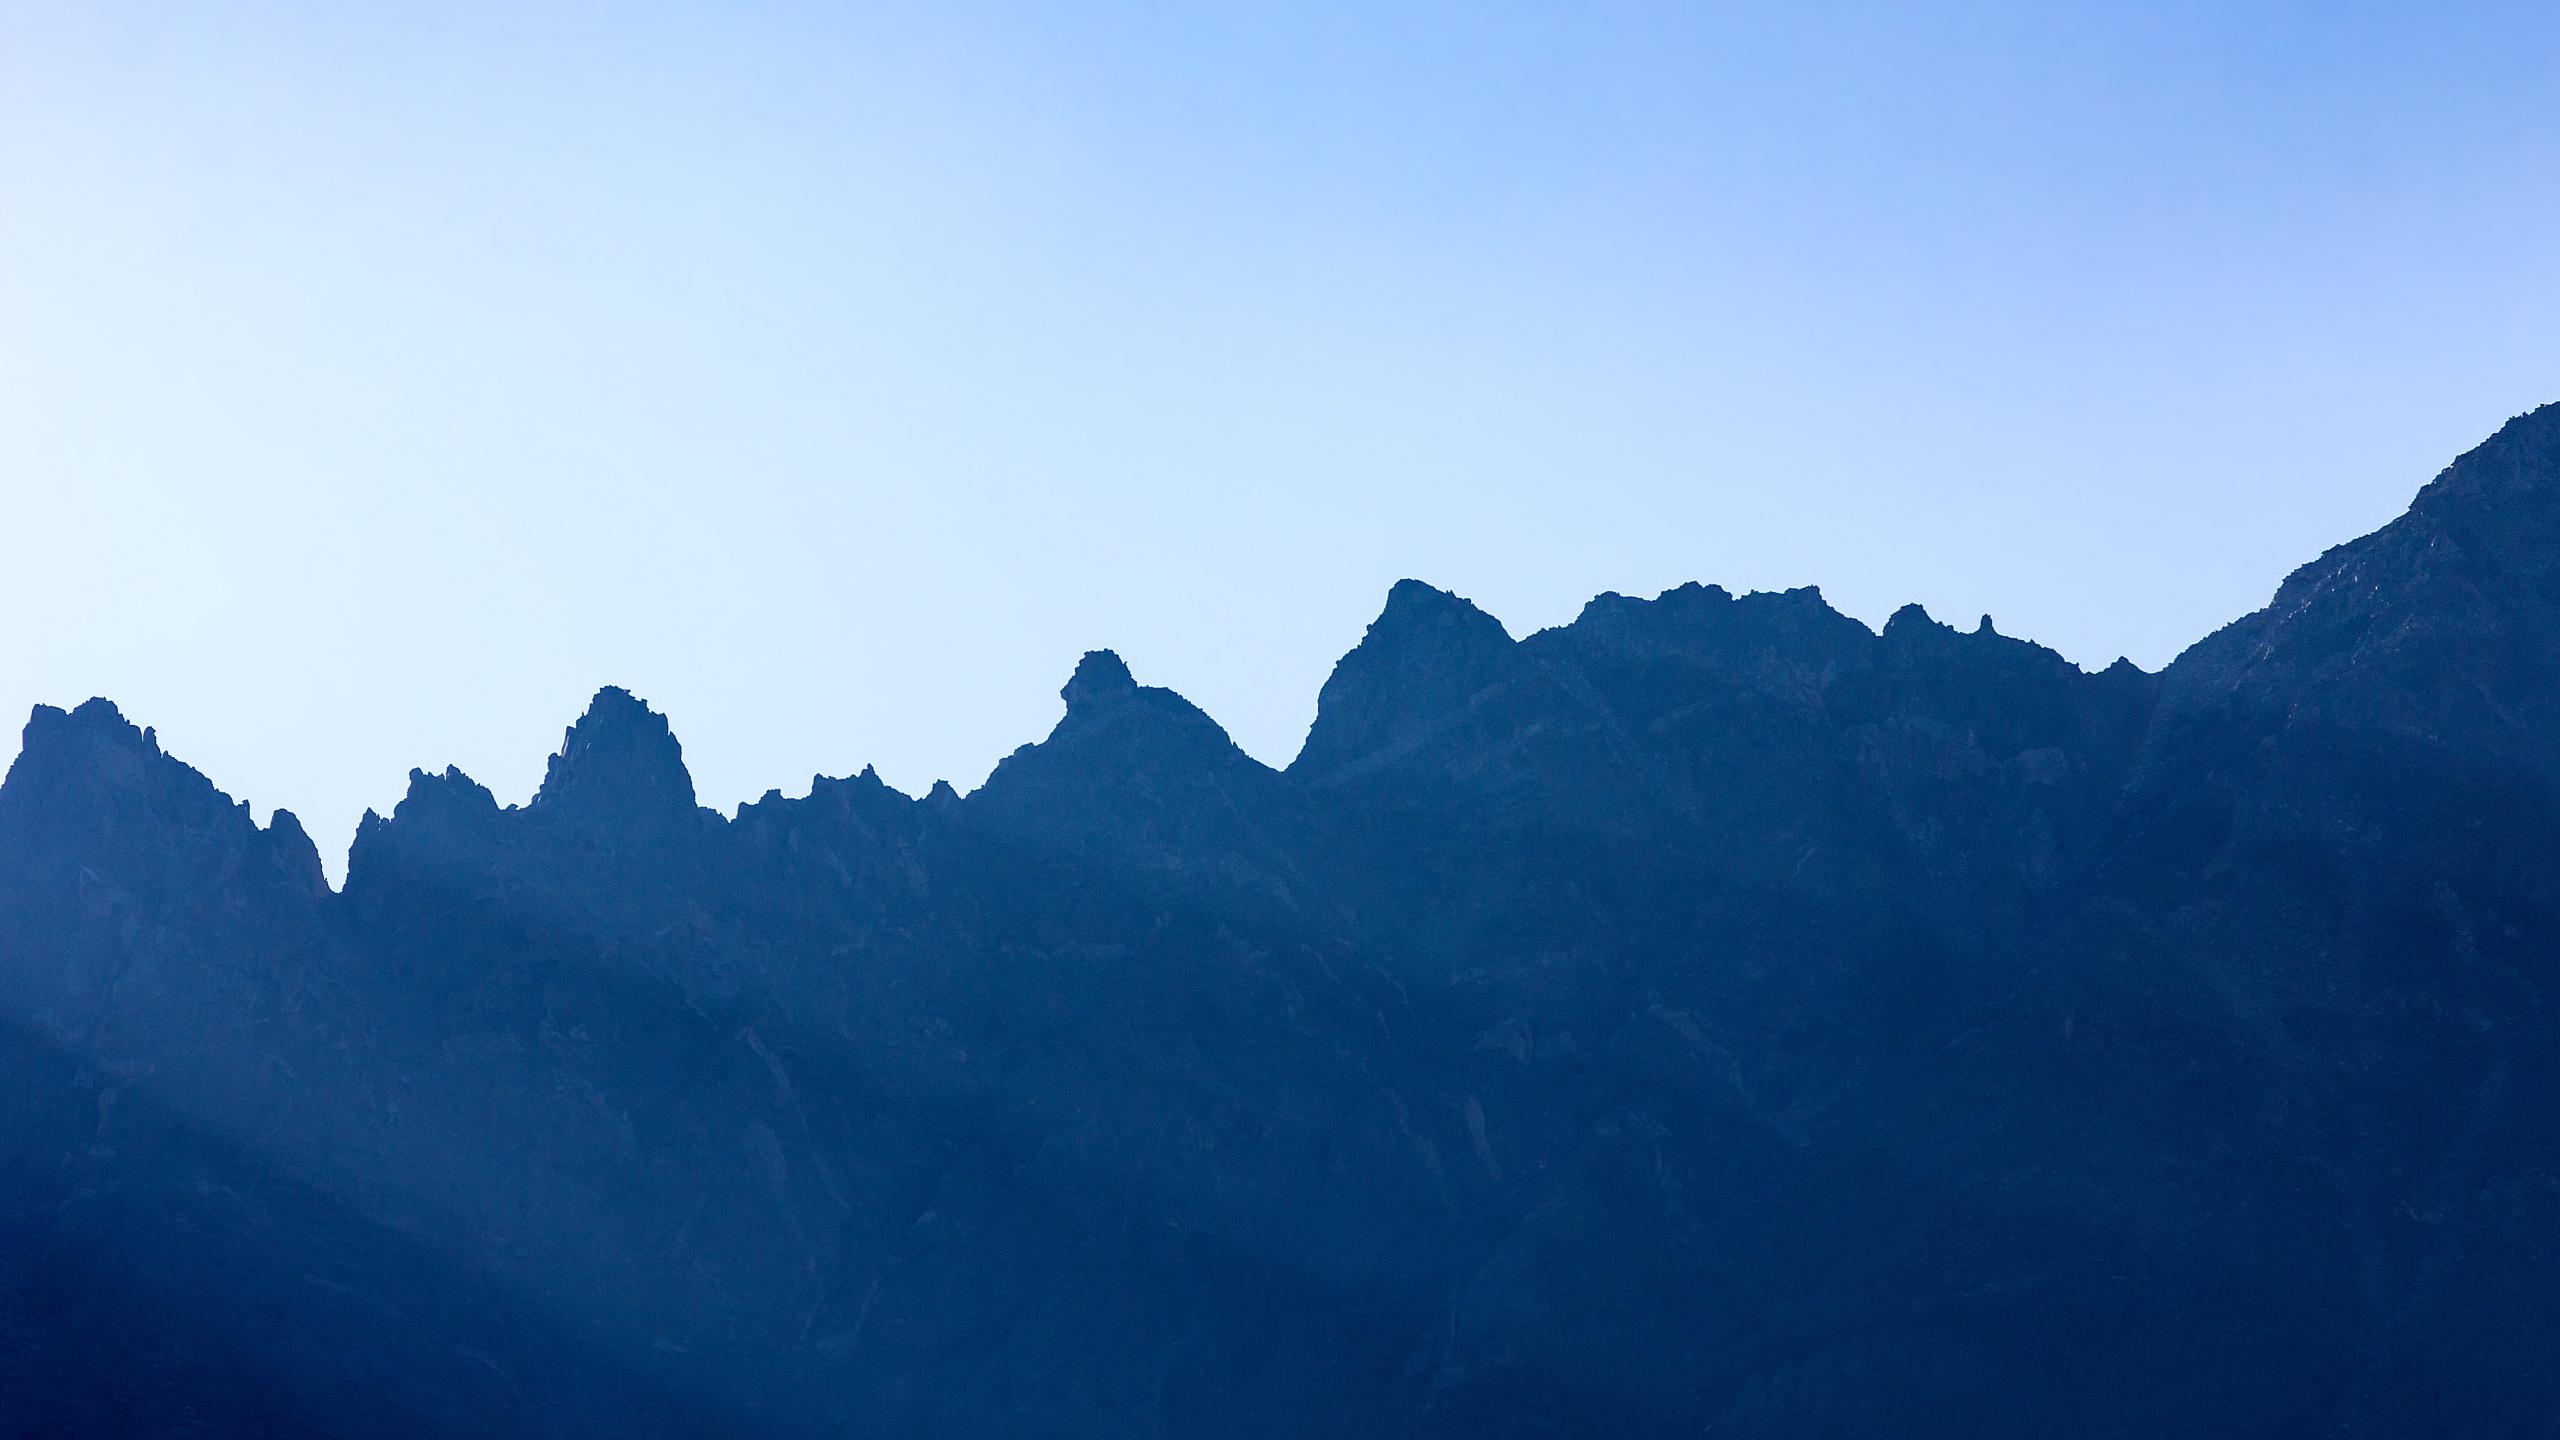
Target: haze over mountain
1710	1016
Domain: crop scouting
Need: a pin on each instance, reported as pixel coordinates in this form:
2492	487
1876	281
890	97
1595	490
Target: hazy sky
377	380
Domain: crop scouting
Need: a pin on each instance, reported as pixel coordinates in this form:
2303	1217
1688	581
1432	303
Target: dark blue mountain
1709	1017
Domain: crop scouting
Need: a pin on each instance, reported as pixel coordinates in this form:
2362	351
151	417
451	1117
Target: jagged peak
450	781
1101	677
1693	597
829	795
2519	462
2494	510
2497	504
1610	605
1680	616
1913	621
93	749
98	717
620	758
447	798
2442	619
125	754
293	852
1428	652
1414	608
1707	627
1683	600
866	783
1103	700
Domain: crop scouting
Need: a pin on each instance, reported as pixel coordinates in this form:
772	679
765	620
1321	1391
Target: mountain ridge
1710	1013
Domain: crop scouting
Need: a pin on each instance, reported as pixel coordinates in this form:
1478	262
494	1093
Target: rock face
1710	1016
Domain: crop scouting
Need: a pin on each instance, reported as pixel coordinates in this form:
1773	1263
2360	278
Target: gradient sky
377	380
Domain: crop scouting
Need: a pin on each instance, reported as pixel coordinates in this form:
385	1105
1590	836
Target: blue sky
377	380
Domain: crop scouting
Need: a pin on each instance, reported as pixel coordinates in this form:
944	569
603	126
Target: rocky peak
1913	635
1426	657
2012	695
295	857
2517	468
1138	773
1706	626
1100	678
2444	622
1415	613
1910	619
619	761
1912	632
1114	723
91	758
95	792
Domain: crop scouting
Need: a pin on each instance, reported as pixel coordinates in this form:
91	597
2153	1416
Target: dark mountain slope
2347	822
1710	1016
1718	884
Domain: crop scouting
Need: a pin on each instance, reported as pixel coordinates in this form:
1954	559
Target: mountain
1708	1017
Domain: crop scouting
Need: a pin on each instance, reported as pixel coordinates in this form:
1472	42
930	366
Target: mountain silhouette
1711	1016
